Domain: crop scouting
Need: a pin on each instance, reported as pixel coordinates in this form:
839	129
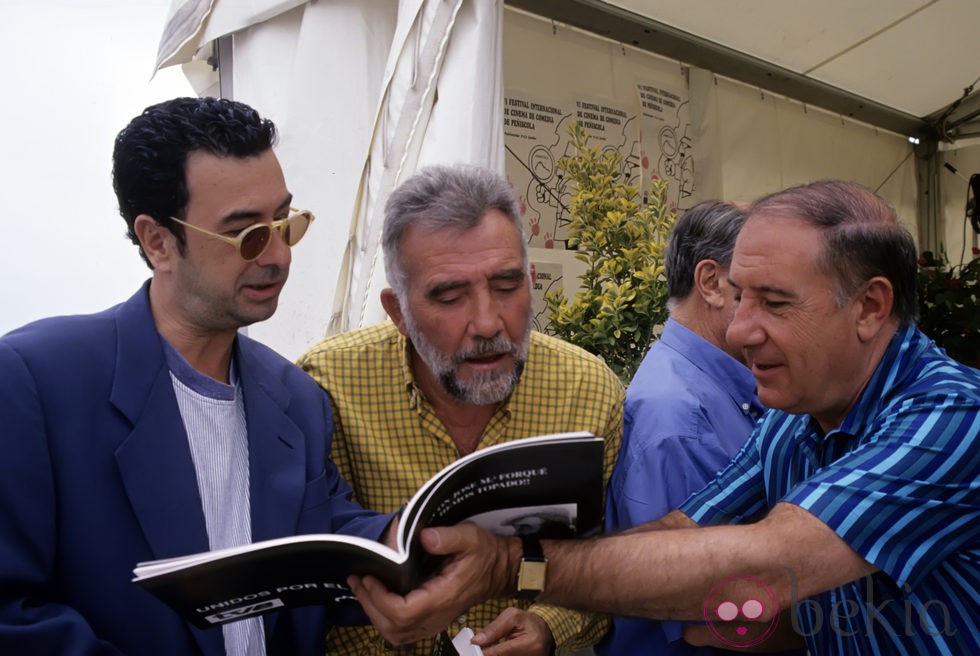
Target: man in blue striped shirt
852	514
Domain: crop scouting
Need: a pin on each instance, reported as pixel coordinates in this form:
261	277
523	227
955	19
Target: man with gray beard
458	368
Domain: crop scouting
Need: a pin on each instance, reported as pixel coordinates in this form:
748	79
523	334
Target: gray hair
707	231
862	238
438	197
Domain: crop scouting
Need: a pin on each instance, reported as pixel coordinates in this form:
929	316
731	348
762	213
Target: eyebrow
443	287
509	274
239	215
514	274
765	289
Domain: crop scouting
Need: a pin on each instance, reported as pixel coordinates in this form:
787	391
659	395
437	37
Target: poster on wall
535	136
666	141
652	132
545	277
612	126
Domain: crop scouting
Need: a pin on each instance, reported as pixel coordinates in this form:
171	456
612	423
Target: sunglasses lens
296	227
255	240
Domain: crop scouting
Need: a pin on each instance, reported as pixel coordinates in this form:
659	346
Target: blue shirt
899	481
689	408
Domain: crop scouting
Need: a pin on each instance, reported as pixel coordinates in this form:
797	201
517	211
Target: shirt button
745	407
461	619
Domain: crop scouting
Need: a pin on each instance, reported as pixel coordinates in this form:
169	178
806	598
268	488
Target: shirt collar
405	370
906	344
195	380
731	374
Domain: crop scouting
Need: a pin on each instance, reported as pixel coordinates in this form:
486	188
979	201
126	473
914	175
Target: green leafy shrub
949	305
623	295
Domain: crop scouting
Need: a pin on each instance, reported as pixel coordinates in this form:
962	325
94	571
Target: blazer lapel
154	461
276	453
158	473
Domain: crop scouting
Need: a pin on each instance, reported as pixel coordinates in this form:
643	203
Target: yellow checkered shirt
388	442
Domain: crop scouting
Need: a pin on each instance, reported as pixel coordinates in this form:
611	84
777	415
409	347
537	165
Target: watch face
531	576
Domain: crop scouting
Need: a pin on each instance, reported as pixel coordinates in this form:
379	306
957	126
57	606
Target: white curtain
441	101
364	92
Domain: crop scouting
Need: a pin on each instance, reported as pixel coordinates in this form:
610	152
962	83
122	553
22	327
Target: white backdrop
75	71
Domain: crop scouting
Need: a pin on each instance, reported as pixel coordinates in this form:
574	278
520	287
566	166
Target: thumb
498	629
441	541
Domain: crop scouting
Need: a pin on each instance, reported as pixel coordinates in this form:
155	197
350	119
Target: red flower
954	283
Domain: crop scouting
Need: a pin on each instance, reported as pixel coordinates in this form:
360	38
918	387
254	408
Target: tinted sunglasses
253	240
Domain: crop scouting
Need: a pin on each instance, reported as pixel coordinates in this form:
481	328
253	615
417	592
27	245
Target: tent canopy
897	64
366	91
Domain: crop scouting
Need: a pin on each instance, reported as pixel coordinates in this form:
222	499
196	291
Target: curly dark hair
149	159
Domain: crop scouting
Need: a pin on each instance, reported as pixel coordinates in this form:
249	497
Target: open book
549	485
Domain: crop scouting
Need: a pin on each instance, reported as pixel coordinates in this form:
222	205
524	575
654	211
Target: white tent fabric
409	129
195	23
364	92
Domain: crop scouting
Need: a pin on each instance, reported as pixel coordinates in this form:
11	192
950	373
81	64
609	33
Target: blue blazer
96	475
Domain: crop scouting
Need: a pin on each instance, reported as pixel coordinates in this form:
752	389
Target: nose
744	329
486	321
277	253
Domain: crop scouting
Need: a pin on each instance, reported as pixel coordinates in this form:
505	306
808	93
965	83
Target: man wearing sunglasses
153	429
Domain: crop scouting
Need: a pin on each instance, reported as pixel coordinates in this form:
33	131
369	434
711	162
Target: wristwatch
534	568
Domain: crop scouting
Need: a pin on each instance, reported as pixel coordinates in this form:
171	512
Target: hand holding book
549	486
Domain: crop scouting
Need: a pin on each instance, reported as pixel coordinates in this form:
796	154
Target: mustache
494	346
271	275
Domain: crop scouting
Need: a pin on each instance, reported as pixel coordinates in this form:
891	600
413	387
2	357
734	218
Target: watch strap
533	570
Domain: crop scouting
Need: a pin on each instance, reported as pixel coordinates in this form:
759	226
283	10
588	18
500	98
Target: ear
394	309
159	244
707	281
874	307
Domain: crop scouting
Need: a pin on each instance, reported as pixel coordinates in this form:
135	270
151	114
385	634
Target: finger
421	613
376	607
448	539
519	646
530	635
498	629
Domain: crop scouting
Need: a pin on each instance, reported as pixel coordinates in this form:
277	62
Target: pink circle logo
747	622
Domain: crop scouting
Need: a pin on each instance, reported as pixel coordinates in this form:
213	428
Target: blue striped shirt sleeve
907	498
737	494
